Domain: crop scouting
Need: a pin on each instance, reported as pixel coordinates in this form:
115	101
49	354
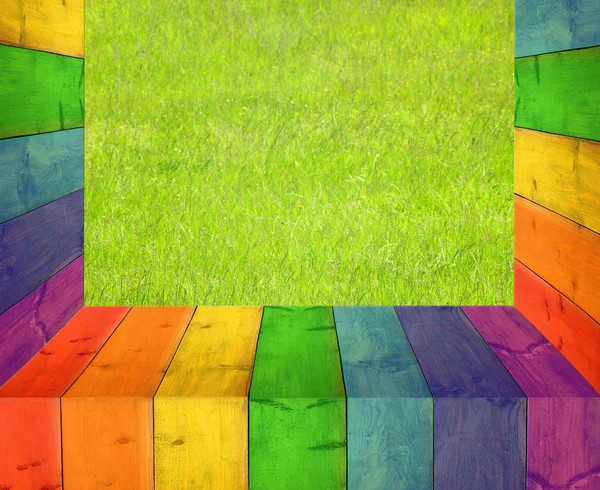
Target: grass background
299	152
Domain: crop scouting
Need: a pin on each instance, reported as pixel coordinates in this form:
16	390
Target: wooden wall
41	174
557	175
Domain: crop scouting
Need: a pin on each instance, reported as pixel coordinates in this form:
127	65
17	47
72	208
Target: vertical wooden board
559	173
573	332
37	245
563	253
479	410
30	324
390	408
35	170
201	407
107	415
555	25
39	92
49	25
558	93
297	402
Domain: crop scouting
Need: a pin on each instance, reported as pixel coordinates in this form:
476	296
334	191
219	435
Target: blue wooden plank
35	170
390	408
479	410
555	25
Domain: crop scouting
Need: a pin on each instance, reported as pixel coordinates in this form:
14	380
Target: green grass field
299	152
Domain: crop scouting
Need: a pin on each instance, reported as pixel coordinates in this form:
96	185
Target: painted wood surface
30	446
563	253
479	410
32	322
35	170
573	332
48	25
555	25
39	92
36	245
297	402
107	415
201	407
560	173
390	407
558	93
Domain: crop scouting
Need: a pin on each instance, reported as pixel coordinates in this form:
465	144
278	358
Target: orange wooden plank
574	333
563	253
107	413
30	454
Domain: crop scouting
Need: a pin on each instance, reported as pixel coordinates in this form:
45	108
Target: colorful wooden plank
201	407
107	416
30	446
558	397
558	93
32	322
297	402
389	405
573	332
39	92
563	253
49	25
479	410
555	25
35	170
560	173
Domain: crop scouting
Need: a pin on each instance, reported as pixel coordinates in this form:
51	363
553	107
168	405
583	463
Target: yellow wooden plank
560	173
201	407
55	26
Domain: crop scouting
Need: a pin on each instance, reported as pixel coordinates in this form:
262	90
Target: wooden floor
299	398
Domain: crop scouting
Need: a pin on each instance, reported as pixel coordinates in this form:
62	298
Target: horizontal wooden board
36	245
39	92
201	407
555	25
35	170
48	25
558	93
32	322
573	332
563	253
560	173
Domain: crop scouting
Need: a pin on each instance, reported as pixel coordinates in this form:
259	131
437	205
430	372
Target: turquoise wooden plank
35	170
390	407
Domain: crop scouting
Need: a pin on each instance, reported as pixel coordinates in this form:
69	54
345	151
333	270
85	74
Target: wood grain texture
36	245
30	449
201	407
39	92
573	332
48	25
559	173
32	322
479	410
390	407
297	402
35	170
563	253
107	414
558	93
555	25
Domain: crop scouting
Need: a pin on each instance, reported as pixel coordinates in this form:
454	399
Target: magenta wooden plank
32	322
36	245
563	422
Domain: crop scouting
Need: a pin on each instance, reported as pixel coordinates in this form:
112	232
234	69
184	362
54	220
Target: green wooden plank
559	93
39	92
297	403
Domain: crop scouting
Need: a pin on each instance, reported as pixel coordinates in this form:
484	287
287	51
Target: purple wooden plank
563	423
32	322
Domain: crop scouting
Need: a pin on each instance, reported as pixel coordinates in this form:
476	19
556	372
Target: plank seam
554	134
337	340
43	132
262	315
41	206
42	51
556	51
